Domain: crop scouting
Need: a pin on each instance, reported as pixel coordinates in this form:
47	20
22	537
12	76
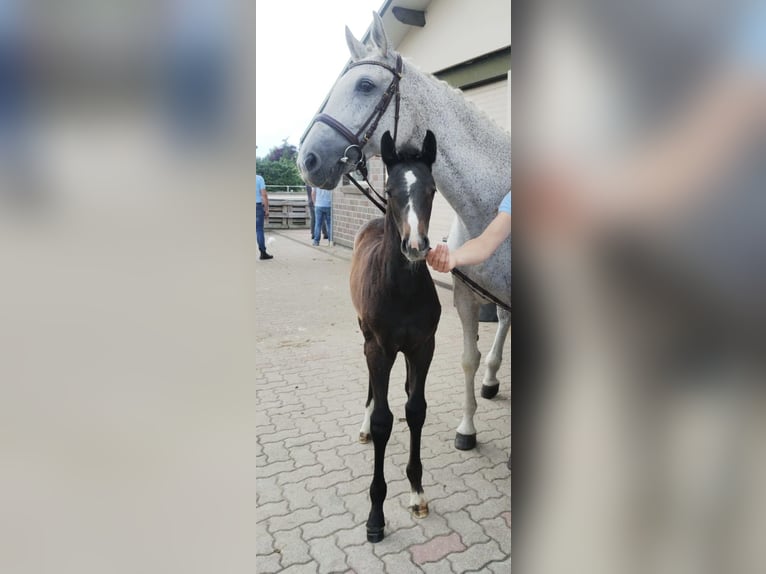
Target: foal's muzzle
415	252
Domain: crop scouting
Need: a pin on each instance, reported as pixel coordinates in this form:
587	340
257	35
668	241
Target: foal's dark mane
409	154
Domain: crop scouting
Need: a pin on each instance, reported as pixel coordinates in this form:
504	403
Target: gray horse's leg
490	384
468	311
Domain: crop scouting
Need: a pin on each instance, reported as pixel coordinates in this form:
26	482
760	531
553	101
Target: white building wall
461	29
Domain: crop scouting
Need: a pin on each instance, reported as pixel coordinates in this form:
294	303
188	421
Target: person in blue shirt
323	211
477	249
261	212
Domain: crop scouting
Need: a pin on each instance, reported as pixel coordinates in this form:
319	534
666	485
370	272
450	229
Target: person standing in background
323	208
261	212
312	214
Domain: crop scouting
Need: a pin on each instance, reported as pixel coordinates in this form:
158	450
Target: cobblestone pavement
313	475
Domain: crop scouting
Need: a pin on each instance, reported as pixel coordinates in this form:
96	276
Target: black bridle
359	139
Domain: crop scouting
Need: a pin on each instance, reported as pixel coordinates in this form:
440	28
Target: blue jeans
259	217
322	215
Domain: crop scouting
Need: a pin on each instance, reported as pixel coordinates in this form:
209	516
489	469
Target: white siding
493	99
462	30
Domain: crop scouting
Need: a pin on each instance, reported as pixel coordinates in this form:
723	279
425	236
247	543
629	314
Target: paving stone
275	452
293	519
434	524
297	496
274	469
362	560
436	548
499	567
268	564
326	526
441	567
499	531
329	502
279	436
291	545
328	556
299	474
328	479
489	508
476	557
485	488
264	541
309	438
470	532
354	536
507	517
308	568
265	512
398	540
455	502
302	456
401	563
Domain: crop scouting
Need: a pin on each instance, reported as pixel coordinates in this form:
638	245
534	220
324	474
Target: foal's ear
428	153
379	38
357	49
387	150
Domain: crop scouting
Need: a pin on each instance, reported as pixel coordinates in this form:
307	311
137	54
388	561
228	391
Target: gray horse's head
351	102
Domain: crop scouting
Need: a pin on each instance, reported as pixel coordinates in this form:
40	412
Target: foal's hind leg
415	409
491	385
468	311
379	364
364	432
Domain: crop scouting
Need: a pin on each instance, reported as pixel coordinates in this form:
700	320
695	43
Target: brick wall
351	209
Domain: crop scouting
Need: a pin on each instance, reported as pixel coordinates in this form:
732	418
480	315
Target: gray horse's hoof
374	534
488	392
364	438
465	441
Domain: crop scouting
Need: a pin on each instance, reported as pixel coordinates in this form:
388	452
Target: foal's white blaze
412	217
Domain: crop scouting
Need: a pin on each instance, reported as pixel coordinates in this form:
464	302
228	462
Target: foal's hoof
419	510
488	392
364	437
465	441
374	534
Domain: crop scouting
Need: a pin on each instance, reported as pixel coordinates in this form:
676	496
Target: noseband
359	139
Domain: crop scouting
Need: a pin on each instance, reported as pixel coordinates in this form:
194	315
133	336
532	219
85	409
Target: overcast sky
300	50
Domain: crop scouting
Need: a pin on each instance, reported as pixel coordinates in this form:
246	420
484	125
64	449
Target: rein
360	165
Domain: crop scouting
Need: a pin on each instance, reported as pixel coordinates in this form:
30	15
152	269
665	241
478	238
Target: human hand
439	258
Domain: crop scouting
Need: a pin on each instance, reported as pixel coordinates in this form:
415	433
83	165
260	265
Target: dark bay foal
398	310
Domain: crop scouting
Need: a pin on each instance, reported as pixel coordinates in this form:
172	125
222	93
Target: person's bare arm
265	199
473	251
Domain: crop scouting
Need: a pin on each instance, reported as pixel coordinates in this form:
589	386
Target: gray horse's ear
379	38
428	152
387	149
357	49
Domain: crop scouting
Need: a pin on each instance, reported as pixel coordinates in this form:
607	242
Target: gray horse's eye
365	85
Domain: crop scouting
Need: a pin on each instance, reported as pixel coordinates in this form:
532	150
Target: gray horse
472	171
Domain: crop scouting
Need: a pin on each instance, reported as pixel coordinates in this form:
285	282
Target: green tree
279	167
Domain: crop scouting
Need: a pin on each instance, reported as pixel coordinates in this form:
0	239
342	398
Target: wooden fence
288	213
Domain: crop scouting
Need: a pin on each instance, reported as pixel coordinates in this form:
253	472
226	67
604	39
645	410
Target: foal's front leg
418	363
379	364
